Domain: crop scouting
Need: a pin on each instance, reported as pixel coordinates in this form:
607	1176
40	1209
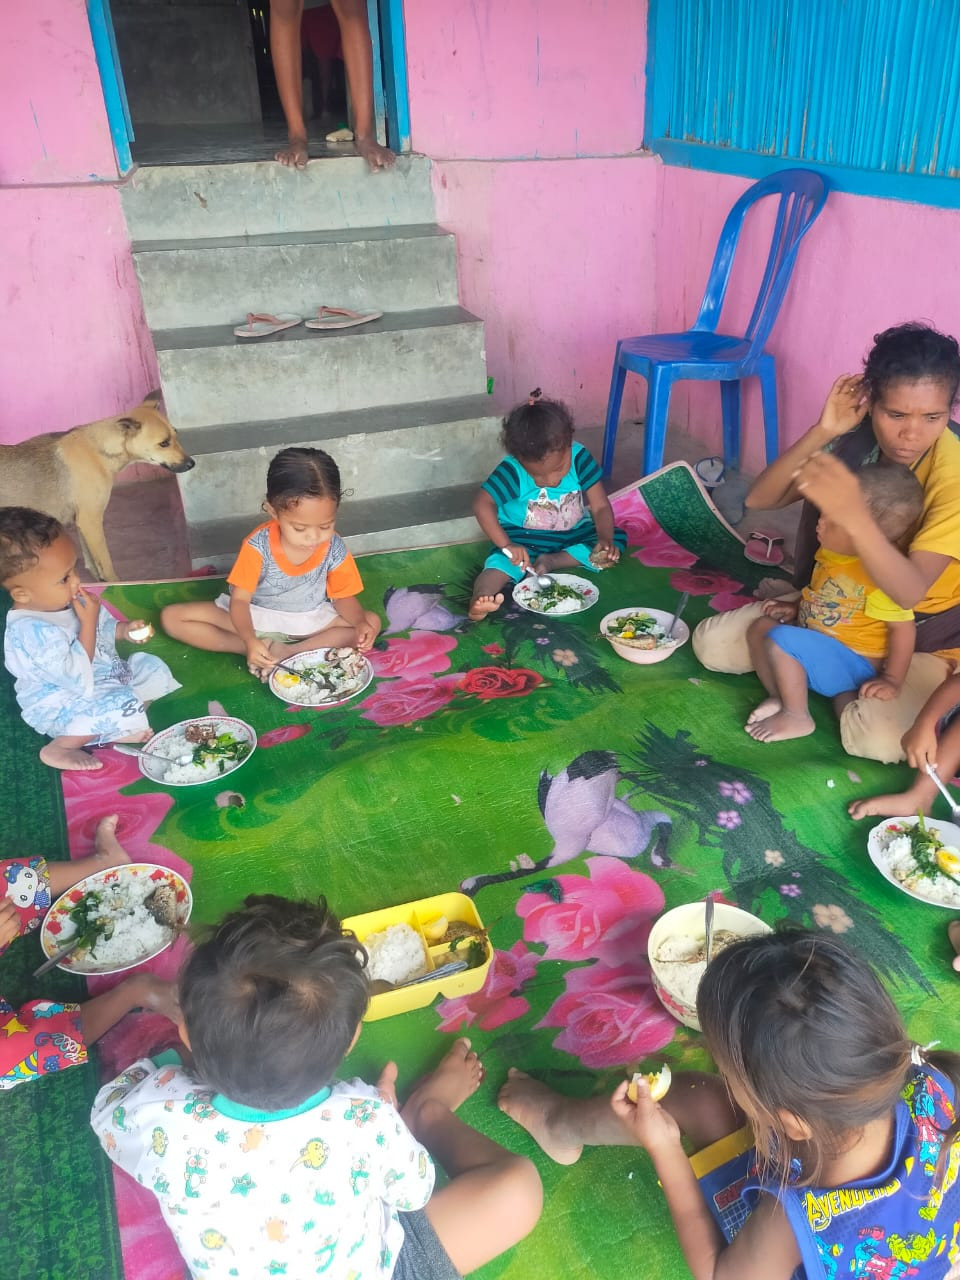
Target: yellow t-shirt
939	531
843	601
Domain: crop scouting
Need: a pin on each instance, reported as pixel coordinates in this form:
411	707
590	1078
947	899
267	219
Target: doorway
191	81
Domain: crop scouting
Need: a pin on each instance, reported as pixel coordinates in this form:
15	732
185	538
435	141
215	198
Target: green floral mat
574	795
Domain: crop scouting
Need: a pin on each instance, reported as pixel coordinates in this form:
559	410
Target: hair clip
535	395
919	1051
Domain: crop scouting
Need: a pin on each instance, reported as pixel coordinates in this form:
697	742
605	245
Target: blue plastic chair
702	353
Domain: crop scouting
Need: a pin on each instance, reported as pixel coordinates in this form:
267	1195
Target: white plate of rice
395	954
136	936
304	693
890	852
210	765
541	600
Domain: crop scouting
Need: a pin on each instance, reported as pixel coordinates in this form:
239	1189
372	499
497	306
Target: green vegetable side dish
224	749
549	598
924	845
633	625
89	926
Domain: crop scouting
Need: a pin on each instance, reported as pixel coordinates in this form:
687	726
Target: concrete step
189	202
209	376
380	524
389	450
218	281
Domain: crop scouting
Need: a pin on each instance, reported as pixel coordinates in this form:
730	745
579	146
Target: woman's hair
537	427
299	473
802	1025
24	533
272	999
911	352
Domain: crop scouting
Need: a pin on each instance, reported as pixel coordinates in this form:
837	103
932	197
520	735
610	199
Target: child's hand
830	485
9	922
259	657
605	554
651	1126
367	632
136	624
781	610
881	687
845	407
519	555
86	607
920	745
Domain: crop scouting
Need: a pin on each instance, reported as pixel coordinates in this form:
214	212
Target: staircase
400	403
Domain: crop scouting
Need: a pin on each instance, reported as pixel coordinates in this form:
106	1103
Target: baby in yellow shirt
844	637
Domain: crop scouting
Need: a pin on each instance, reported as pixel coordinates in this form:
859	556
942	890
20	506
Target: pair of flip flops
261	324
764	547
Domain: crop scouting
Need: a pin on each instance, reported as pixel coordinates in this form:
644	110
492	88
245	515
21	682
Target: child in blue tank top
827	1147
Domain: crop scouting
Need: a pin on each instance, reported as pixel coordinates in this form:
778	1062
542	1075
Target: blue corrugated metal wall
867	90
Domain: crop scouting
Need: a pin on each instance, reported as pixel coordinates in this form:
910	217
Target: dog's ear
152	400
129	424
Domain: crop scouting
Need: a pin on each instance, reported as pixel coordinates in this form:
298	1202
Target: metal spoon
541	579
302	675
707	927
57	957
681	605
380	985
938	781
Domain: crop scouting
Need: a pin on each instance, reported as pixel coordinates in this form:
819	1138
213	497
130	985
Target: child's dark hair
894	495
802	1025
24	533
271	1000
299	473
911	352
537	427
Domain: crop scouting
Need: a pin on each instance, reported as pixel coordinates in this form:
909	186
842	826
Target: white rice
177	745
561	606
135	932
681	962
396	953
307	694
895	855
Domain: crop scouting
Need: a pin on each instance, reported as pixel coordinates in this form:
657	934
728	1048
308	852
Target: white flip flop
261	325
341	318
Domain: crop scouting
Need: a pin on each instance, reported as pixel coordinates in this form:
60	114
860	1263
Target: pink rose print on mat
610	1016
500	682
726	601
606	917
424	653
420	607
499	999
286	732
661	552
702	582
635	518
403	701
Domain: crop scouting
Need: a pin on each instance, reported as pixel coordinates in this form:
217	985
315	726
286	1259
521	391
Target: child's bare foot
108	850
953	933
71	759
377	157
781	727
458	1075
553	560
483	605
530	1103
763	710
294	154
901	805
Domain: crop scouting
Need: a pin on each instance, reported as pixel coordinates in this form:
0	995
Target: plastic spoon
938	781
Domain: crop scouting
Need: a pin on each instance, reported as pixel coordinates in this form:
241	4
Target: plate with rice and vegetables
204	749
321	677
122	917
566	594
644	636
921	857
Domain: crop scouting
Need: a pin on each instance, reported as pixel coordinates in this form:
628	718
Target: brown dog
69	474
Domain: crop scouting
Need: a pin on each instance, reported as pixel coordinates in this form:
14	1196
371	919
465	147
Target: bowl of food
921	857
321	677
194	751
640	635
566	593
676	951
419	950
117	918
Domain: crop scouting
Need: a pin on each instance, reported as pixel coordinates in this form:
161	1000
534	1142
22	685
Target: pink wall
864	265
74	345
533	114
